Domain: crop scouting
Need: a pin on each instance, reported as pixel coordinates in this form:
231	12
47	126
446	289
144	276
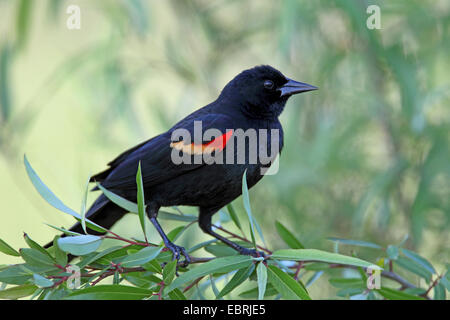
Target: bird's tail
103	212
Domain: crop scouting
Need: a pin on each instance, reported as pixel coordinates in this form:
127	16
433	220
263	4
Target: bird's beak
293	87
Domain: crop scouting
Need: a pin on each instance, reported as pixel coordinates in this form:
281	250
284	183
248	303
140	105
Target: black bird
254	99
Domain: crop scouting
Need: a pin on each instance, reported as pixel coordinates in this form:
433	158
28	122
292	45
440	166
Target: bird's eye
268	84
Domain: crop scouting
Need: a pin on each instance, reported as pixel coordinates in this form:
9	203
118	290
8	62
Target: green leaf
121	202
153	266
7	249
393	294
18	291
50	197
239	277
110	292
141	200
80	245
175	233
83	206
60	256
36	258
15	274
177	295
95	256
169	272
142	279
355	243
141	257
176	217
439	292
261	272
247	206
419	260
288	237
220	265
41	281
234	216
34	245
322	256
414	267
286	285
65	231
214	287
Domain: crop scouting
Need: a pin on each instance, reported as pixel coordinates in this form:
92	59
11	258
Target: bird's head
263	91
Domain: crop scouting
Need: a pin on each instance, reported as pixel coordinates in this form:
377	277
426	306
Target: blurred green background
366	157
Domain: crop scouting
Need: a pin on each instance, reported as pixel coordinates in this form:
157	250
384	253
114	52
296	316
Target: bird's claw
177	252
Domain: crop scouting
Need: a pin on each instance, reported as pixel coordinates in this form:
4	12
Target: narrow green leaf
36	258
288	237
221	265
141	257
7	249
15	274
169	272
261	272
23	21
80	245
141	200
153	266
175	233
83	206
95	256
110	292
414	267
60	255
176	295
286	285
49	196
247	206
34	245
176	217
41	281
65	231
418	259
18	291
322	256
214	287
439	292
393	294
121	202
239	277
234	216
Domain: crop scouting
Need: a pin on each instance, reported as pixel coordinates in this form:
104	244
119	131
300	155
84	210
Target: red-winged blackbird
252	100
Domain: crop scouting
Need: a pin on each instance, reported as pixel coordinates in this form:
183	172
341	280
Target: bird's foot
252	252
177	252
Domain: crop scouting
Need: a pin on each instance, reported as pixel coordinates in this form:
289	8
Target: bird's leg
205	224
177	251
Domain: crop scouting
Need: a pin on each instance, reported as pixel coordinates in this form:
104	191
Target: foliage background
366	157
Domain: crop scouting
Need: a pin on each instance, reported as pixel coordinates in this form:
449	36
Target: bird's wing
155	154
